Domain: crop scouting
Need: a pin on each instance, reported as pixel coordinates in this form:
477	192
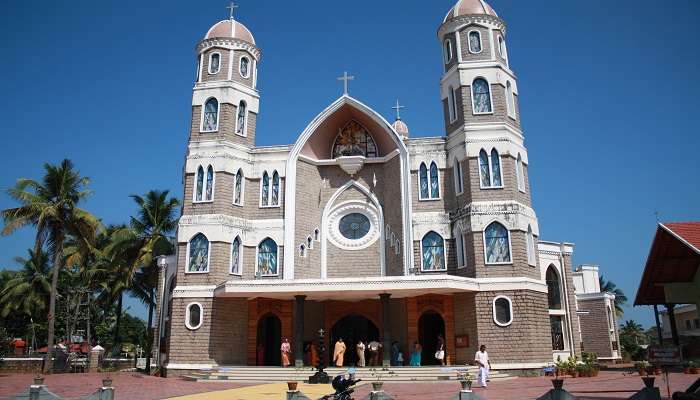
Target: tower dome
230	28
470	7
400	127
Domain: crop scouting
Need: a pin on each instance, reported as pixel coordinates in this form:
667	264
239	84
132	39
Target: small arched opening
353	328
431	325
269	341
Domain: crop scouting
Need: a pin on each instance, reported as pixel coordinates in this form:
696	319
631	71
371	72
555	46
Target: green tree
620	298
29	290
51	206
632	337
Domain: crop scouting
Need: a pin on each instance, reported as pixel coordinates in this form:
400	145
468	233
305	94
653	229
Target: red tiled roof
688	231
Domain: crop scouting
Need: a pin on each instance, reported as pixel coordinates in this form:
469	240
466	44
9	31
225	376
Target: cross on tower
232	8
345	78
398	108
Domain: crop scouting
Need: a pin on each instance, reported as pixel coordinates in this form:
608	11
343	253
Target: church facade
359	229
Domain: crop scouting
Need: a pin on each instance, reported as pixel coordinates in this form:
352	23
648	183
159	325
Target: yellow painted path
270	391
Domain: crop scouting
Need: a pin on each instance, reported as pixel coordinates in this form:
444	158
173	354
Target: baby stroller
343	388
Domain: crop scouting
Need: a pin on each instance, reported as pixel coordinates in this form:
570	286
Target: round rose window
354	226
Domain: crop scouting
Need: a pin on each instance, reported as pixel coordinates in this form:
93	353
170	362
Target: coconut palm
620	298
27	292
51	206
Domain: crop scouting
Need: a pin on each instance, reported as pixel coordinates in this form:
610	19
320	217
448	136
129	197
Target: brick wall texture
595	328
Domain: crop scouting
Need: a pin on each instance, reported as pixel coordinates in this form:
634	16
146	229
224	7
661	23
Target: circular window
354	226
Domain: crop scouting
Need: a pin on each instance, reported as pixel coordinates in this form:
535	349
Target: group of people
374	348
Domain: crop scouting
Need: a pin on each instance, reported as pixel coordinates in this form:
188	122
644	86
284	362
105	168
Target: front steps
277	374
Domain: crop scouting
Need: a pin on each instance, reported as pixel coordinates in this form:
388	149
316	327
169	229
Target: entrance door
351	329
430	325
269	341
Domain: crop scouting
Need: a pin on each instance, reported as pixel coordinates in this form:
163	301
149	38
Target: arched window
510	100
214	63
531	250
238	188
265	191
452	105
481	96
211	116
457	173
302	250
448	51
557	327
502	48
460	247
317	235
309	242
241	119
496	179
553	288
424	191
434	181
520	173
198	254
611	321
199	184
397	249
502	311
236	256
267	258
433	250
275	189
210	183
354	140
244	67
193	316
497	244
474	42
484	169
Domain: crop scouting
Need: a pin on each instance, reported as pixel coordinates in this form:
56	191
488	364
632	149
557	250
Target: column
658	325
386	324
299	330
672	323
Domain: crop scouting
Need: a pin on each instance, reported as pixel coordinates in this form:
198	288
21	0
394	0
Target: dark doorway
267	351
353	328
430	325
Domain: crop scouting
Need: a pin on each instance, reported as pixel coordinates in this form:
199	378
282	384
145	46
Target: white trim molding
510	307
187	316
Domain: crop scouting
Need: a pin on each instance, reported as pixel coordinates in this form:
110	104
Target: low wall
33	364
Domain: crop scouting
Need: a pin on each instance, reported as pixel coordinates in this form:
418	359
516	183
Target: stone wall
595	329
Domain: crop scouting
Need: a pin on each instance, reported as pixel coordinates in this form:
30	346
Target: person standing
339	352
394	354
360	353
285	350
374	347
416	354
313	355
440	353
482	360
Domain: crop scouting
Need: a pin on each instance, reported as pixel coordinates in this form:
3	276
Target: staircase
277	374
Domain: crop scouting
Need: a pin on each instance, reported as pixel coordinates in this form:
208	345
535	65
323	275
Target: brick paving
132	386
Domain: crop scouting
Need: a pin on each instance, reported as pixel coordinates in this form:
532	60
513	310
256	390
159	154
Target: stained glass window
354	226
210	183
520	172
434	182
433	248
510	101
194	316
267	257
457	172
211	115
481	96
502	47
424	193
474	42
557	332
238	189
264	194
240	119
448	51
354	140
451	105
502	311
553	289
275	189
214	63
484	170
200	184
497	243
531	251
496	168
244	66
199	254
236	256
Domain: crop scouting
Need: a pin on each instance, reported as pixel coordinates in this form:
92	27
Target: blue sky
608	91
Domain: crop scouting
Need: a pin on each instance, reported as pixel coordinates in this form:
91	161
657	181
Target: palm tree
634	331
28	291
620	298
51	206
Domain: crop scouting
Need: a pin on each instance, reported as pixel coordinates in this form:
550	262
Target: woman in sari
339	353
285	349
416	354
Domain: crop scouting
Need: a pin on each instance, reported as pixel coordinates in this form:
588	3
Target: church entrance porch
352	329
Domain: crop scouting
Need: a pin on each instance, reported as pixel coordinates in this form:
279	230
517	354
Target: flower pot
292	386
558	384
695	370
594	373
107	382
377	386
38	380
466	385
574	374
642	372
648	381
686	370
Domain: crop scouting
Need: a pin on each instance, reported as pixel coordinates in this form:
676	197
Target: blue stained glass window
210	183
265	188
475	42
200	184
240	119
496	168
211	114
433	248
434	182
236	256
484	171
354	226
238	187
199	254
497	243
267	257
481	96
424	193
244	67
275	189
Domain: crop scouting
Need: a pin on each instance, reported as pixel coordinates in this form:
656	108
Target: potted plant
292	386
642	367
107	381
379	375
465	379
560	368
693	367
572	363
38	379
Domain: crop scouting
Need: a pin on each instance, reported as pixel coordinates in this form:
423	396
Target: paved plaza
132	386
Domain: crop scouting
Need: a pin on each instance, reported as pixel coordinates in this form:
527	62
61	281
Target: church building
359	229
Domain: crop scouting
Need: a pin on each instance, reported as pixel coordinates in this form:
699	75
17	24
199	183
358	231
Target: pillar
672	324
386	326
299	330
658	325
